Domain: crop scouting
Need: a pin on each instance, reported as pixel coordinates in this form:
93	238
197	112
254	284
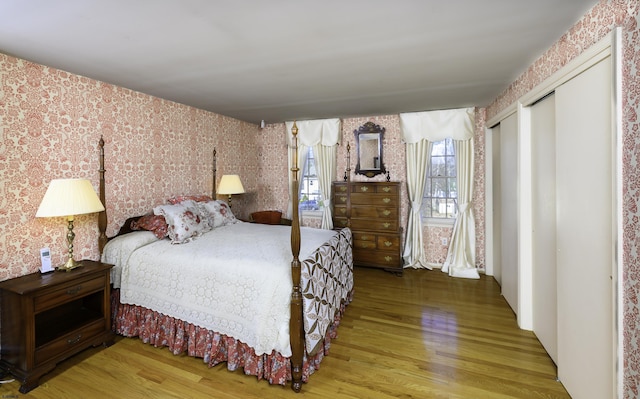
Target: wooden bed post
213	189
102	216
296	331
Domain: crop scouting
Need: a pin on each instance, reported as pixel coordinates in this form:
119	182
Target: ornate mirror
369	149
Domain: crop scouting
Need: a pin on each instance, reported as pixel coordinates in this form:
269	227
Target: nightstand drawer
68	292
68	342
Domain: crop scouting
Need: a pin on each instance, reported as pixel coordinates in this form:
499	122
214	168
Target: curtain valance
437	125
316	132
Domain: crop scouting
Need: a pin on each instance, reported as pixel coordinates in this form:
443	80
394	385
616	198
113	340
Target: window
310	196
441	191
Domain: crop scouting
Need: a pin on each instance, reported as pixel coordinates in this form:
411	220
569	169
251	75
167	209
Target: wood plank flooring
423	335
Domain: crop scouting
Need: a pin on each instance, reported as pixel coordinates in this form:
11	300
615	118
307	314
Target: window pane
310	197
441	184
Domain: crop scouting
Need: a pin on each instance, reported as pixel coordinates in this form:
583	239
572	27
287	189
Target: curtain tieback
326	203
463	207
415	207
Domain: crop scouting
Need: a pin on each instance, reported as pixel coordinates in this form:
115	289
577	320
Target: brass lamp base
70	265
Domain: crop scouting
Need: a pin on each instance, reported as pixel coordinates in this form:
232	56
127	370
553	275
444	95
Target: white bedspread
239	287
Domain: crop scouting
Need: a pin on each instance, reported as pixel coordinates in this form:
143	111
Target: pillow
218	213
227	215
154	223
181	198
185	221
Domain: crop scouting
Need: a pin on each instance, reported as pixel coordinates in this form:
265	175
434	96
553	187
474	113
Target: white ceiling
281	60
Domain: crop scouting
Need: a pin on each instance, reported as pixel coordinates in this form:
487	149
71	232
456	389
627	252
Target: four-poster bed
319	285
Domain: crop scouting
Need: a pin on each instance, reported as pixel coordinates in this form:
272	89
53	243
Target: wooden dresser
372	211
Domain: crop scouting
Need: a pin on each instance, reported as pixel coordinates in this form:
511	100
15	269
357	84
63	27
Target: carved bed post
102	216
213	189
296	331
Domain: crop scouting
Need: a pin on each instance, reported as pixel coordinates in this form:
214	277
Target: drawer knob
343	210
386	189
74	290
366	238
343	199
386	225
364	188
73	341
343	188
388	243
386	212
388	258
386	200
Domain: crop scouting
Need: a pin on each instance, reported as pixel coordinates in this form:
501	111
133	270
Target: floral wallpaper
597	23
50	124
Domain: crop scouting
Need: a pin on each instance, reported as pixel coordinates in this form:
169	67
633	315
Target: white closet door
543	158
509	209
584	190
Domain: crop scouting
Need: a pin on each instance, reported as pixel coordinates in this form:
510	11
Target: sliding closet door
584	191
508	209
543	179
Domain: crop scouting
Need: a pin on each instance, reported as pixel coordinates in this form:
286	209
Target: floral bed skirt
179	337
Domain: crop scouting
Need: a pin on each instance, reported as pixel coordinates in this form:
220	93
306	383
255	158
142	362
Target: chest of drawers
372	211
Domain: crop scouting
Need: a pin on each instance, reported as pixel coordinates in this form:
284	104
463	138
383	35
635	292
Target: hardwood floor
423	335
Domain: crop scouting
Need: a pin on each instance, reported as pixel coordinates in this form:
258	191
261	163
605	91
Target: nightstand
47	318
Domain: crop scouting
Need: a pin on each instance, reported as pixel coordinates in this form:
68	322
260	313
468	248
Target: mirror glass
369	149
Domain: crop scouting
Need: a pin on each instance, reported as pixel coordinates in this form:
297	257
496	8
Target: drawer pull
364	188
366	245
74	290
386	212
388	258
343	210
343	199
388	243
342	188
365	238
386	200
386	189
73	341
386	225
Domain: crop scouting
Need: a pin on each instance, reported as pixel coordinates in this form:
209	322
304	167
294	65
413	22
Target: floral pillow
185	221
218	212
181	198
154	223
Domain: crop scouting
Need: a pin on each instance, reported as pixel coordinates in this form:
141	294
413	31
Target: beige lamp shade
69	197
230	184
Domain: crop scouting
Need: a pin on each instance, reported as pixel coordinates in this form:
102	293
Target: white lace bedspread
235	280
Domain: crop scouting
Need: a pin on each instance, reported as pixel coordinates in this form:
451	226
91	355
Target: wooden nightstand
48	318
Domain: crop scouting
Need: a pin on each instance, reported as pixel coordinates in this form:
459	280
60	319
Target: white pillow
186	221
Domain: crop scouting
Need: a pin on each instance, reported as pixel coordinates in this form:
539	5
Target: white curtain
324	136
461	258
417	155
431	126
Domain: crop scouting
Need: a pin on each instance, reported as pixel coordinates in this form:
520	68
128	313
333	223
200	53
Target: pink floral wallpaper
51	122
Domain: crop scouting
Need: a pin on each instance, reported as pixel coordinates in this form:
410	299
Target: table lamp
69	197
230	184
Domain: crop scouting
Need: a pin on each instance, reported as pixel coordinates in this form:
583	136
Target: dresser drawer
384	259
374	224
67	292
69	342
339	222
373	212
368	188
387	200
340	199
340	211
391	243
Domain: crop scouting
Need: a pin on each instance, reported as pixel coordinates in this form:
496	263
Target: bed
266	299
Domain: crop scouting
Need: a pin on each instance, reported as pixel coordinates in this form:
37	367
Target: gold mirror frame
369	150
